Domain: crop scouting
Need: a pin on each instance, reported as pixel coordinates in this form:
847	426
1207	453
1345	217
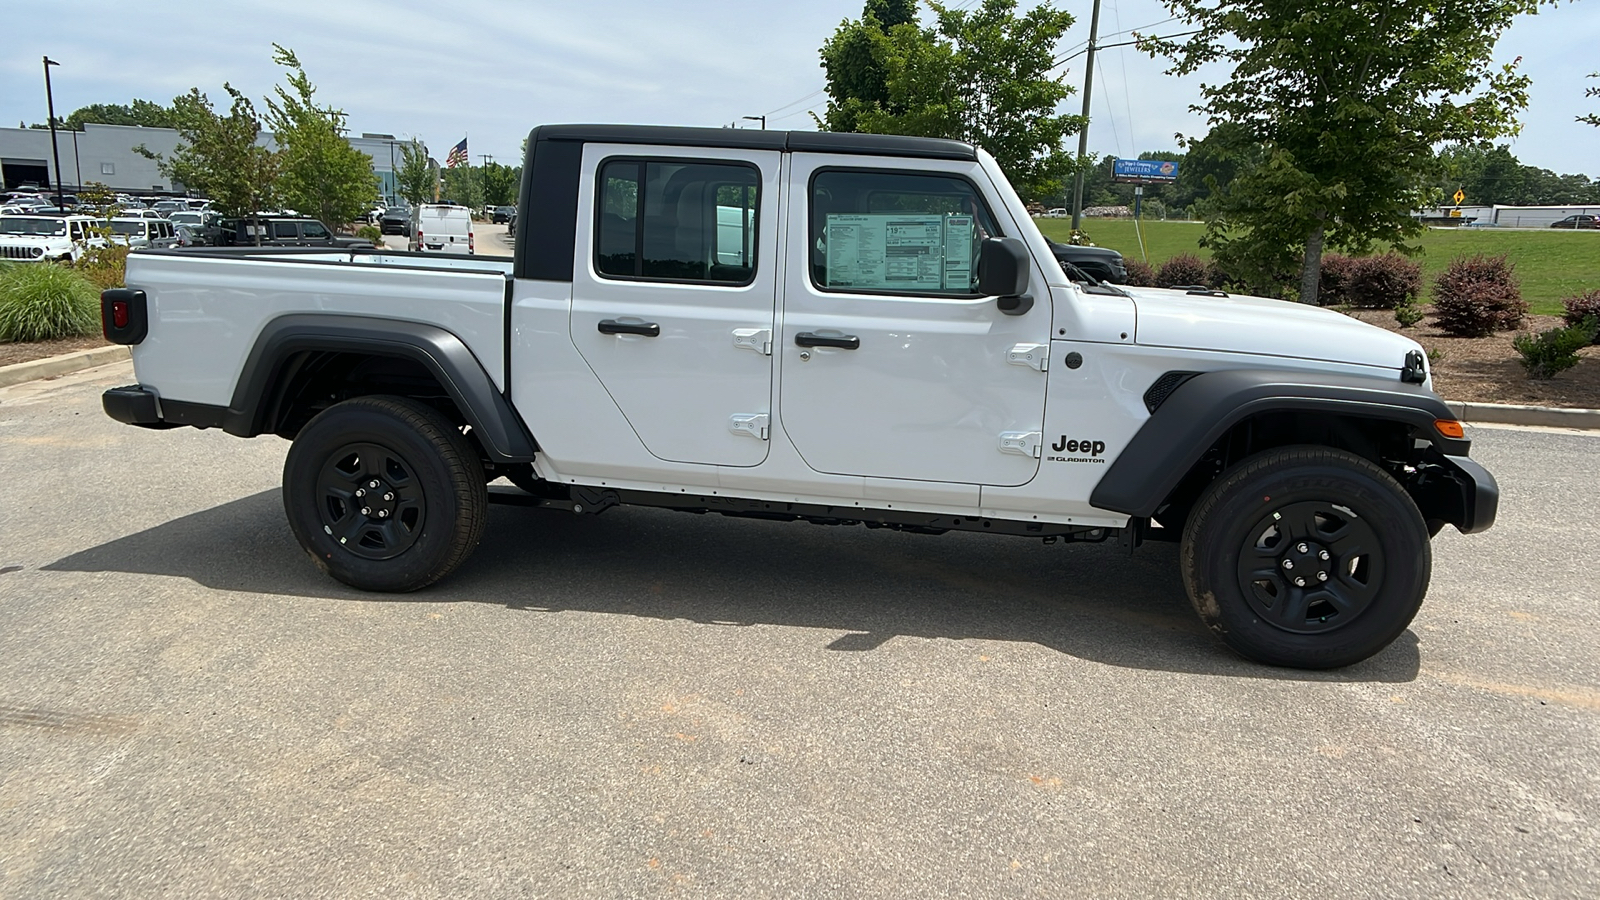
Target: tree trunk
1311	269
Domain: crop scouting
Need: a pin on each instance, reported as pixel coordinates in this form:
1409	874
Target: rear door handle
812	339
612	326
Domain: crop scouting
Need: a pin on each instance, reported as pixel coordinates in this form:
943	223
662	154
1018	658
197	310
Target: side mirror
1003	274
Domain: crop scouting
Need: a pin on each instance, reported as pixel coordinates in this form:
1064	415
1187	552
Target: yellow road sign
1459	196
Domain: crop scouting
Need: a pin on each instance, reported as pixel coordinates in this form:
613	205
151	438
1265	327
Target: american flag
457	155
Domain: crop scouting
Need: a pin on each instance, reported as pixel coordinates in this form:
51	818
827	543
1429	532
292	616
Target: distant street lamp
55	152
761	119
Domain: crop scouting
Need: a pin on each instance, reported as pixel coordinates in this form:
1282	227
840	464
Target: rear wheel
1306	556
384	493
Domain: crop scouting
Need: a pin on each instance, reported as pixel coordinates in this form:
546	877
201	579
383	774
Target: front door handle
812	339
612	326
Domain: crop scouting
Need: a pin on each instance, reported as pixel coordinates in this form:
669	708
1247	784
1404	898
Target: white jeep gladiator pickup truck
836	328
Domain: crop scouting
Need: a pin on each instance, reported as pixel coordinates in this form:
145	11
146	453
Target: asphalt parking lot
650	703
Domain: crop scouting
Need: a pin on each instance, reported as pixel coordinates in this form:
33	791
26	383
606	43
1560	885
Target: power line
820	90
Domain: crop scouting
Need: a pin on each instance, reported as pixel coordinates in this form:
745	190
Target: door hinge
757	339
1034	356
1022	443
753	424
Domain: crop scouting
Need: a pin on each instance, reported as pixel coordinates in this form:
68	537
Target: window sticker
899	251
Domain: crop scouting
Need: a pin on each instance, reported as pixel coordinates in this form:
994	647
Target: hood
1259	326
34	240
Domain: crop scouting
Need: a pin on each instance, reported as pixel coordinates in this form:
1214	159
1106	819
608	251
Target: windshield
187	218
127	228
28	225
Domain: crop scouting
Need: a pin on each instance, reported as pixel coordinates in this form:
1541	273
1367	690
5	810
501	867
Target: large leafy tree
322	174
1332	114
464	186
500	183
982	75
219	155
140	112
415	178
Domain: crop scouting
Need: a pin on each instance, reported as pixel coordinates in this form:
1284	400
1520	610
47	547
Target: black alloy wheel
385	493
1306	556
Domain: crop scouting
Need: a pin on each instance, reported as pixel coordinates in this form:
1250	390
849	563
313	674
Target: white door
891	364
674	291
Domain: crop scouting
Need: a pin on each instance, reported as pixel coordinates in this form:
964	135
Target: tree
500	184
416	176
981	76
1334	111
141	112
321	173
1592	118
218	155
463	185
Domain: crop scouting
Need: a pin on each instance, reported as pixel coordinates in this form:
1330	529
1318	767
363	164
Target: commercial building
106	154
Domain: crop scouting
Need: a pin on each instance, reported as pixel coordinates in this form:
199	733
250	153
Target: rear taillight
419	238
470	246
123	316
119	313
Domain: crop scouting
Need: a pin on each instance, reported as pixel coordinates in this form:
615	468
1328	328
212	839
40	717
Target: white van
441	228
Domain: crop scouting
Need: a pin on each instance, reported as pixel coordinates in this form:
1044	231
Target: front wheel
384	493
1308	557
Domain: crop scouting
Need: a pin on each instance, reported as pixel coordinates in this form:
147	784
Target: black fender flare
446	356
1202	409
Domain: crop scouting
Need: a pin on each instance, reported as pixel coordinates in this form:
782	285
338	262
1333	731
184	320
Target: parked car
442	228
1101	263
31	237
204	225
139	232
142	214
1579	221
511	225
168	207
851	352
395	220
283	231
502	214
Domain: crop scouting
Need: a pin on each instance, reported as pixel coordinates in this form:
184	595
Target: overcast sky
491	69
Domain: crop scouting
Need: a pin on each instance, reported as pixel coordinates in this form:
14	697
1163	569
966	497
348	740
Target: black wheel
384	493
1307	557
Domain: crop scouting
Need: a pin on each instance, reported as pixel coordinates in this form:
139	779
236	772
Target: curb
1508	414
1471	413
64	364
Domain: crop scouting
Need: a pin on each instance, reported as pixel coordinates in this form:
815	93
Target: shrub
370	233
1582	306
1139	274
1408	314
1383	282
43	301
1556	349
1183	269
1476	296
1334	278
105	266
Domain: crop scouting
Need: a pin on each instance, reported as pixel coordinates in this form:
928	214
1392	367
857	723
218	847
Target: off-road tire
419	459
1239	537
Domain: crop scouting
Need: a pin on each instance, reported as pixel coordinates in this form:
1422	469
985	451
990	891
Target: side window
284	231
313	231
896	232
77	231
675	220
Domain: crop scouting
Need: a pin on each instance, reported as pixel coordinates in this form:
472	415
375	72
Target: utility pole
50	104
1083	135
761	119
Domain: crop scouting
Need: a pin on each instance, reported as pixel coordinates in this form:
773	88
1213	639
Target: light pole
1083	136
50	104
761	119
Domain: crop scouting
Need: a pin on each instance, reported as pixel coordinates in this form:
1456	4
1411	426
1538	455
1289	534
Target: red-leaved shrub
1580	306
1182	270
1336	268
1478	295
1139	274
1383	282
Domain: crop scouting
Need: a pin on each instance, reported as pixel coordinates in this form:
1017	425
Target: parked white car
46	238
139	232
440	228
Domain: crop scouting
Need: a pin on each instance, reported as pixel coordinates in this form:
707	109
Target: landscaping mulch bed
11	354
1488	370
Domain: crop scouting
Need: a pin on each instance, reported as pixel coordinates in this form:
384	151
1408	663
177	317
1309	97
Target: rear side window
677	220
283	230
880	231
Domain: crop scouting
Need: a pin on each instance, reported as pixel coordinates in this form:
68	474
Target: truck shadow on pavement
1093	602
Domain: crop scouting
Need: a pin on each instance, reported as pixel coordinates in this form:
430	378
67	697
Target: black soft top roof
750	139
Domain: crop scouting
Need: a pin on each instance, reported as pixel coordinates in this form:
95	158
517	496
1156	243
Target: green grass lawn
1552	264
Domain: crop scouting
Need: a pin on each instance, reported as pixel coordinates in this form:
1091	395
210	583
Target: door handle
812	339
612	326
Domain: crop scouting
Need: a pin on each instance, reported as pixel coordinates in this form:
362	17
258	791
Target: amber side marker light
1450	428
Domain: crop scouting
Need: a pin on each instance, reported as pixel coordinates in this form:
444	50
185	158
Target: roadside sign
1460	196
1455	213
1144	171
